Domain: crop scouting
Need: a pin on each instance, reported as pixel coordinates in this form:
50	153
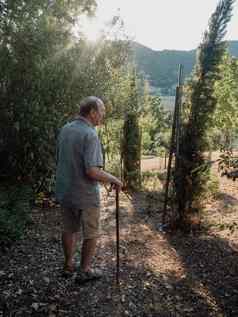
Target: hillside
161	67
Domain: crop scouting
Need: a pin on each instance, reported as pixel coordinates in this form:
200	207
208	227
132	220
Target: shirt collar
84	120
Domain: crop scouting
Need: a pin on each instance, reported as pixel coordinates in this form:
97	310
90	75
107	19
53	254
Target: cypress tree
192	173
131	143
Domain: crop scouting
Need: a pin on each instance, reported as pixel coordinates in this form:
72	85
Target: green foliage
111	135
115	166
131	152
131	142
193	173
155	122
14	213
208	184
118	100
35	86
45	72
226	92
212	186
151	180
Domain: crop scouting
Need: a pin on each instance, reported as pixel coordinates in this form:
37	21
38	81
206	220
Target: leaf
35	306
46	279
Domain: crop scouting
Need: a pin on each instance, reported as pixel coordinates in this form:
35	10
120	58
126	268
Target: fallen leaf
35	306
46	279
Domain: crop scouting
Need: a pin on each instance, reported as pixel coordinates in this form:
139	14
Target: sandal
92	275
69	271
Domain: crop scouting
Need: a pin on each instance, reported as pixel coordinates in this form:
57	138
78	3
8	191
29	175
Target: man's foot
88	276
69	271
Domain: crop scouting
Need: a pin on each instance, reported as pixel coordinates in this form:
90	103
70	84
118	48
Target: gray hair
89	103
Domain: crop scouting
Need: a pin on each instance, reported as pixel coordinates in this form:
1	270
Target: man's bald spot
90	103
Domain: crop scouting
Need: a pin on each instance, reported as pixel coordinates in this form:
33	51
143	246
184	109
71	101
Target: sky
160	24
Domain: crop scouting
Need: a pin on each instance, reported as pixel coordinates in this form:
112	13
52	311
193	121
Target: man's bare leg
88	251
69	243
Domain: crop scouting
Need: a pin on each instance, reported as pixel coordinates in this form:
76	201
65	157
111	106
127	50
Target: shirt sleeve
93	152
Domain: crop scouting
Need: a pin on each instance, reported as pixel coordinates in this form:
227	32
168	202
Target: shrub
14	213
212	186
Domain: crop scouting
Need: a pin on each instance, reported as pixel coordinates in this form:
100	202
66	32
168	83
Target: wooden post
178	115
117	239
178	127
165	160
174	142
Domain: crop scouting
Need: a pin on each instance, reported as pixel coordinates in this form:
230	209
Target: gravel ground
161	274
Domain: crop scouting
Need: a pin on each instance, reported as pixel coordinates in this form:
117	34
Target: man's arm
100	175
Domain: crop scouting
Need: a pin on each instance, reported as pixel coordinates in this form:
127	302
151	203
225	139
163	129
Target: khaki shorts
88	220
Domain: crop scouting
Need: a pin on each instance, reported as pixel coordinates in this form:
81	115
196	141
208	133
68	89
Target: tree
225	116
131	143
155	123
192	173
226	92
45	72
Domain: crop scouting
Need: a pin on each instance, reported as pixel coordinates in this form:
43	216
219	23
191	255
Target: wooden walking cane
117	237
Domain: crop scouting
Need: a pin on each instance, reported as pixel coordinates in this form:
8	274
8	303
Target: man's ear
93	112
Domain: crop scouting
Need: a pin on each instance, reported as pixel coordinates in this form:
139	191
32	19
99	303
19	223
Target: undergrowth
14	213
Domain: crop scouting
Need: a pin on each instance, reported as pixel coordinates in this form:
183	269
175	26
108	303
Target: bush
212	186
152	180
14	213
114	167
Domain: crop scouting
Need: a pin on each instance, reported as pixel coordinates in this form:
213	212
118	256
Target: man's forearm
100	175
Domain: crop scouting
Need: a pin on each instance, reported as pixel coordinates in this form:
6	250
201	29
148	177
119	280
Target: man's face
99	114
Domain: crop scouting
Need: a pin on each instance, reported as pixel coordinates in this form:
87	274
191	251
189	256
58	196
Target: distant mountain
161	67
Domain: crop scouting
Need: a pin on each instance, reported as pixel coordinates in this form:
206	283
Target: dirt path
152	163
161	275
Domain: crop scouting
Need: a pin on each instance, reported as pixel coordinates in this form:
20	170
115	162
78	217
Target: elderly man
79	169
